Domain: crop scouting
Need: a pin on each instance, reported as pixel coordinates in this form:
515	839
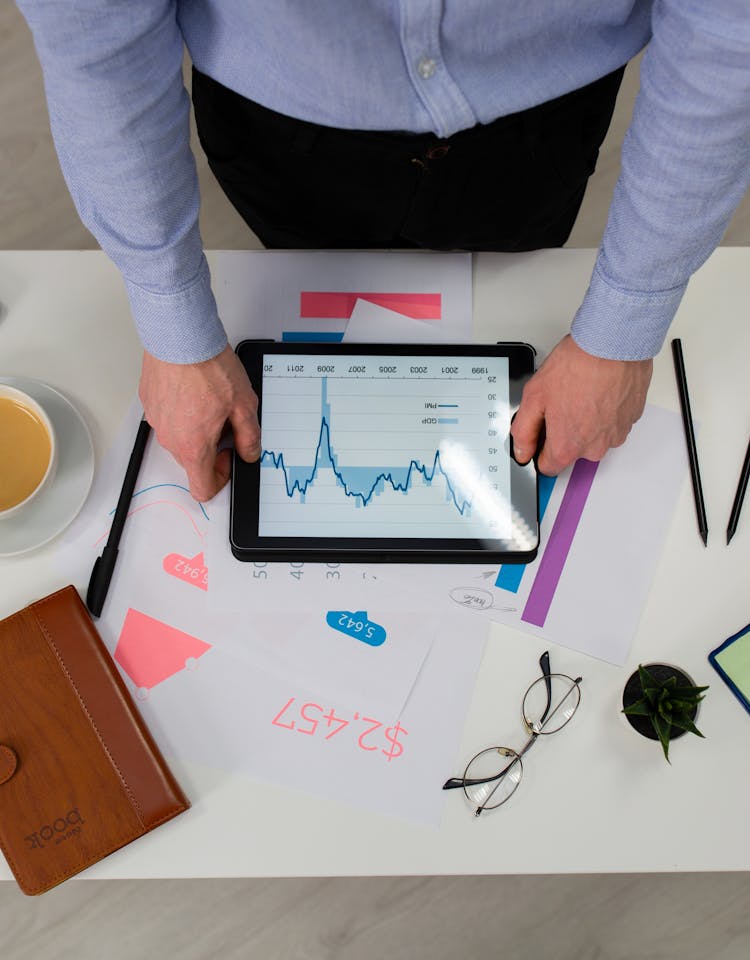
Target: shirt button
426	67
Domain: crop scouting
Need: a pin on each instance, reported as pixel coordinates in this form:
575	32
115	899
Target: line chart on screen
410	446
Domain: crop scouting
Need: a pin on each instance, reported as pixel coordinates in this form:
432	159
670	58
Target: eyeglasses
493	775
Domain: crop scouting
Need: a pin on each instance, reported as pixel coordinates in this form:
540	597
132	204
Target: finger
556	454
222	469
549	464
558	450
526	430
246	435
203	480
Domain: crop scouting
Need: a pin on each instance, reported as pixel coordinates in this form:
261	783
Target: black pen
105	564
687	422
734	516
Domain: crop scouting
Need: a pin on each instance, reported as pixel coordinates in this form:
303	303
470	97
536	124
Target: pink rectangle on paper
315	305
561	537
150	651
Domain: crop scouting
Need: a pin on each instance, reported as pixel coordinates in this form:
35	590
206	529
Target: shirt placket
421	45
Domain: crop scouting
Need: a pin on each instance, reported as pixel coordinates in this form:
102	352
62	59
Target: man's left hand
580	404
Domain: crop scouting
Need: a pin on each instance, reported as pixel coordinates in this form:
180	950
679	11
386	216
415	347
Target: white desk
596	799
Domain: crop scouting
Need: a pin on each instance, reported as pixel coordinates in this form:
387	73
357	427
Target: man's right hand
188	406
586	405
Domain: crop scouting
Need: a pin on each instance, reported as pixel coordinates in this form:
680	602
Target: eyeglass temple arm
546	672
455	782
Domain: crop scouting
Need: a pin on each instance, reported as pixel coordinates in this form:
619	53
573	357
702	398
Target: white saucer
62	500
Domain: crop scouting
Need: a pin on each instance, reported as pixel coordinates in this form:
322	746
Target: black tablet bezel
247	545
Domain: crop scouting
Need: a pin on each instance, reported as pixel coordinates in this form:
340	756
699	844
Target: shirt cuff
179	327
624	324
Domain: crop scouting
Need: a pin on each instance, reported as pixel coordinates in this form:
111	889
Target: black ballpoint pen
105	564
687	422
734	516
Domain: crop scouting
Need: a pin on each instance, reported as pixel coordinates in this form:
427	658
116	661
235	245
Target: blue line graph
363	445
359	483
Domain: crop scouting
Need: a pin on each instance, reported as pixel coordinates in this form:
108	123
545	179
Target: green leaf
639	709
692	690
685	723
662	728
648	681
686	701
665	710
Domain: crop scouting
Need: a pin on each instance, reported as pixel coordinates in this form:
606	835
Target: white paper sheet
287	294
222	712
370	323
350	657
596	602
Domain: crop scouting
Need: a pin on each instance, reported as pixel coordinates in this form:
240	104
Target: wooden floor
691	917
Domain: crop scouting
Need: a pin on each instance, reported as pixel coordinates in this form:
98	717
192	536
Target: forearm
120	118
685	168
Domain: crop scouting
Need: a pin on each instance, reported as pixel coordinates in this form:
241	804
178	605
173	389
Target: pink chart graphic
191	570
150	651
337	307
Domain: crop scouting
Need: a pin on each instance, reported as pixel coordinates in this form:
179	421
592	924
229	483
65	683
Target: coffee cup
28	450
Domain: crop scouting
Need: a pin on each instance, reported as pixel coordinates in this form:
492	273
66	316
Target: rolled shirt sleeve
119	114
685	168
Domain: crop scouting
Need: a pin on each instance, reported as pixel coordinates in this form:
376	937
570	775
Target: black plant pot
633	693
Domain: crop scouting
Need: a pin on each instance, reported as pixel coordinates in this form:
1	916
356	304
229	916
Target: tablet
375	452
732	662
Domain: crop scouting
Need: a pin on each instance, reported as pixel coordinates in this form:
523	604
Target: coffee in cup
27	450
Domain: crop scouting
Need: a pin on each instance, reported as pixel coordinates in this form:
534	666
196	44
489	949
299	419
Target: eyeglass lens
550	702
492	777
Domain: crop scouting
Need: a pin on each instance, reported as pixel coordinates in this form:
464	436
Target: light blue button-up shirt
119	115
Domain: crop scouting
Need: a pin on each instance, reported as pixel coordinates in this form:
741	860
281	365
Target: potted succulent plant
661	702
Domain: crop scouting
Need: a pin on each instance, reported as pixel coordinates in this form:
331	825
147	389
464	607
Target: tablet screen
405	449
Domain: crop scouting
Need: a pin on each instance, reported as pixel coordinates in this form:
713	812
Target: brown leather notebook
80	774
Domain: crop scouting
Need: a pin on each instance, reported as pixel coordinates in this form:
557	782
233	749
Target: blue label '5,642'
356	625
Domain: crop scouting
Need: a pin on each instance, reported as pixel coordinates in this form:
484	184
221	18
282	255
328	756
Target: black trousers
511	185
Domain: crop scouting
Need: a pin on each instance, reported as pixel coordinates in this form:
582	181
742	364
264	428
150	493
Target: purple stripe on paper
561	537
